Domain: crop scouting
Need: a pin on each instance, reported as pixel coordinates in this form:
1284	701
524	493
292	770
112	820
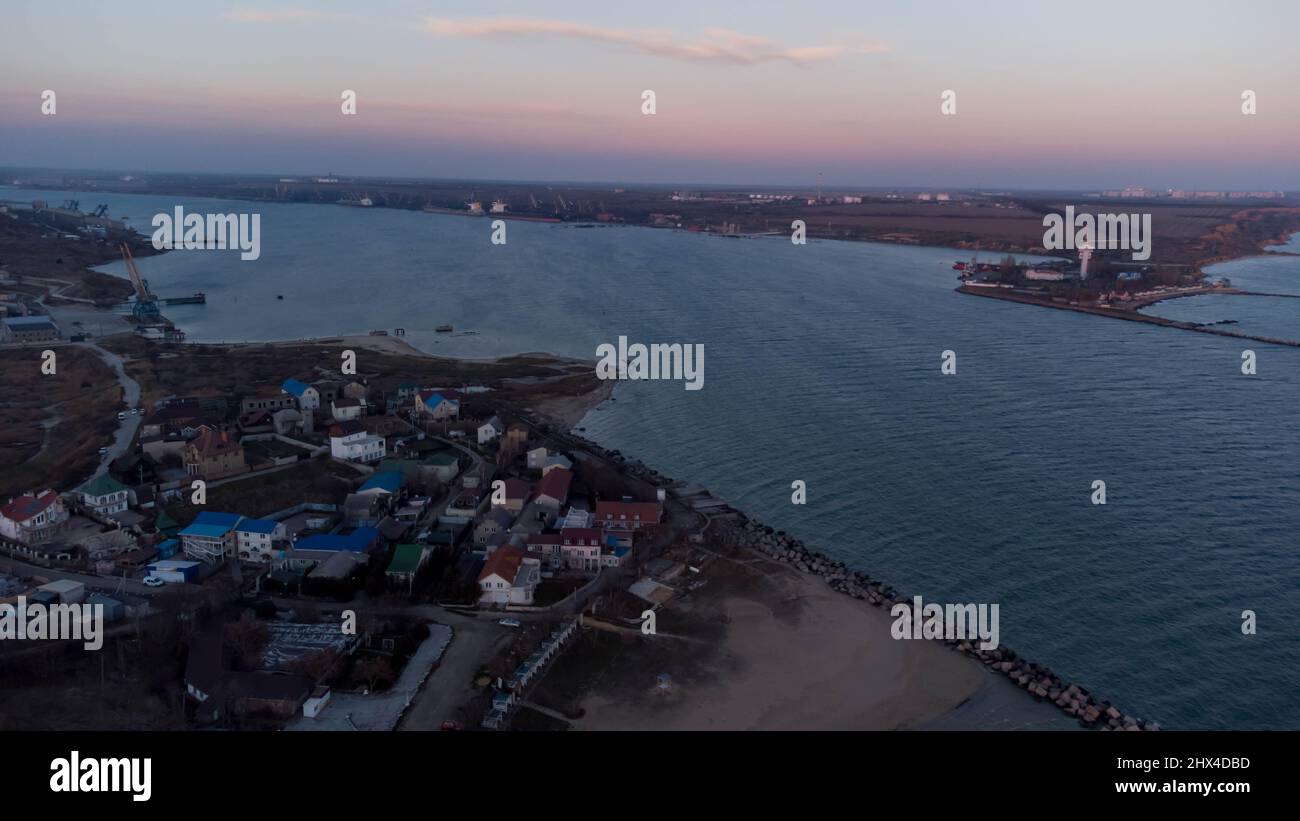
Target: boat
379	333
443	329
279	296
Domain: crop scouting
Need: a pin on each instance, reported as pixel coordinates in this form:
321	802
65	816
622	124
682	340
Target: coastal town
403	543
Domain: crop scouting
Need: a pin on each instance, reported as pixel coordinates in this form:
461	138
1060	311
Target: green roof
442	459
165	522
102	486
406	558
405	466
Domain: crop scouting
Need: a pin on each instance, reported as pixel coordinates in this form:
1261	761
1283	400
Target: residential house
356	390
509	577
211	536
344	408
267	399
546	546
407	561
465	505
287	421
622	520
553	491
257	421
365	509
255	538
580	547
105	495
496	522
385	482
536	458
307	397
351	442
214	455
437	406
489	430
517	435
33	518
517	493
445	466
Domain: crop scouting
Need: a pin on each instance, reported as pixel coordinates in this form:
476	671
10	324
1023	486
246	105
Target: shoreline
765	543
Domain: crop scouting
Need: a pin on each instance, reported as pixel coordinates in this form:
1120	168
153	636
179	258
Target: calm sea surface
822	364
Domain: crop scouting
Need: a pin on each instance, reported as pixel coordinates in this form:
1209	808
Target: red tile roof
211	444
24	507
556	484
504	562
642	512
518	489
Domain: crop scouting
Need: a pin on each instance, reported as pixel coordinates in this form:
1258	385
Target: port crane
145	308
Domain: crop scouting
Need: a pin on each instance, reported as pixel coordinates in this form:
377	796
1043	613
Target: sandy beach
763	647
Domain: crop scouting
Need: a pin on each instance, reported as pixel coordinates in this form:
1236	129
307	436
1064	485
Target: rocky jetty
1036	679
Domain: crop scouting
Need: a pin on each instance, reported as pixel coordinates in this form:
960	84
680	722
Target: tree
249	638
372	670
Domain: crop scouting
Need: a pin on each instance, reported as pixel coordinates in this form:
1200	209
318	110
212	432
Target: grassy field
25	253
222	370
52	426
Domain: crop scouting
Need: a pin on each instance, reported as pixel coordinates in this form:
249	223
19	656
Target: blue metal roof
215	518
355	542
206	531
388	480
295	387
257	526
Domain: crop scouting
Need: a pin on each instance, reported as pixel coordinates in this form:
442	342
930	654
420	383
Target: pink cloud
714	45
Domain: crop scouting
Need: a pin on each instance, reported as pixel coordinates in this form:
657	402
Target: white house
509	577
105	495
343	409
254	538
307	396
351	442
33	518
489	430
537	458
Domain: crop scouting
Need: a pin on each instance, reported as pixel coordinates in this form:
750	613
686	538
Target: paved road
131	394
452	684
106	584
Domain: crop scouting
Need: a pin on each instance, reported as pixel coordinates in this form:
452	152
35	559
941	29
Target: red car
452	725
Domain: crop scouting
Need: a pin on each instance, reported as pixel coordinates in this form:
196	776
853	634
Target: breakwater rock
1036	679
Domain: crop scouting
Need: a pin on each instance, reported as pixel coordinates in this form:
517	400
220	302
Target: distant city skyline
762	94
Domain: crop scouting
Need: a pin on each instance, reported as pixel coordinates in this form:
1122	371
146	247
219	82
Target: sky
1087	95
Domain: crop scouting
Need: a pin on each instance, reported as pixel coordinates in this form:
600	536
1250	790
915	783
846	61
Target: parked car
452	725
103	451
153	581
120	416
510	623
